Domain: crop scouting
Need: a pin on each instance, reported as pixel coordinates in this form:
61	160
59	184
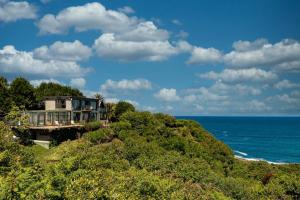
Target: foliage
91	126
142	156
110	109
5	97
99	136
55	89
22	93
123	107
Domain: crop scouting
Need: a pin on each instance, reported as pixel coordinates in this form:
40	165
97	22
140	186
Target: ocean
273	139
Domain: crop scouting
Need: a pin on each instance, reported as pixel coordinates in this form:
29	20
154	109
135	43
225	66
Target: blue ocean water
274	139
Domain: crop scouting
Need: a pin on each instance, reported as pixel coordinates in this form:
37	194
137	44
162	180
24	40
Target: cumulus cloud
125	84
254	106
86	17
122	37
11	11
166	94
237	89
144	31
108	46
240	75
286	84
243	46
201	55
78	82
126	10
14	61
67	51
203	94
267	54
283	55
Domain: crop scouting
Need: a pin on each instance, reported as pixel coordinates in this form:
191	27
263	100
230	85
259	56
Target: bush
91	126
100	136
123	107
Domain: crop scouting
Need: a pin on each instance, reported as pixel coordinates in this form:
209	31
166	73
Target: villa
67	111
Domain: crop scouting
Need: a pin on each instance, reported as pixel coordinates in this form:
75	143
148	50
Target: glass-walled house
67	110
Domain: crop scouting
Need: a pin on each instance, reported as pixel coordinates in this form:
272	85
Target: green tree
54	89
123	107
5	97
20	122
22	93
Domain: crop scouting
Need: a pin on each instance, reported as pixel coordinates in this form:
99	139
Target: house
66	111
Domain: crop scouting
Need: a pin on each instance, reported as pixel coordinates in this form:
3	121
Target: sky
208	57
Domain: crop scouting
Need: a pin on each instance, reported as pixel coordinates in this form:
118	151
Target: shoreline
261	159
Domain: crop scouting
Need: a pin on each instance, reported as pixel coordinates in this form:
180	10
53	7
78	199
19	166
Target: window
60	103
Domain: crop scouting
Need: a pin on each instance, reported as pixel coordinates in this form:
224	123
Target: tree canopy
22	93
123	107
55	89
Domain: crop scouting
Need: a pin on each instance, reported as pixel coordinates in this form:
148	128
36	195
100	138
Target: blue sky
183	58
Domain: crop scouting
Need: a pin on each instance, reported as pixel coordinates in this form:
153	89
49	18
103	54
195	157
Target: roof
68	97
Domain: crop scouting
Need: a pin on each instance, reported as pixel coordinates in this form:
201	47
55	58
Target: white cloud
238	89
203	94
126	10
283	55
240	75
38	82
266	54
22	62
167	95
11	11
86	17
67	51
78	82
201	55
125	84
108	46
249	46
254	106
144	31
286	84
123	38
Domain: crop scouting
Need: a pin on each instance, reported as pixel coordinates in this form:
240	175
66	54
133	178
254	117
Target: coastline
261	159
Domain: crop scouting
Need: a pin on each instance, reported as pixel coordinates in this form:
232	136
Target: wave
242	153
261	159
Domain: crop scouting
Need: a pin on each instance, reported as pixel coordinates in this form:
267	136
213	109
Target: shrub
100	136
91	126
123	107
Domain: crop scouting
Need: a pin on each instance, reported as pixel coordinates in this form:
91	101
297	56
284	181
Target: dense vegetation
142	156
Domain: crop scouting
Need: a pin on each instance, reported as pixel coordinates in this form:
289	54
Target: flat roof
68	97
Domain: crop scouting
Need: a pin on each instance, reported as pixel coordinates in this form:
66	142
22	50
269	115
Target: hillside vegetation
142	156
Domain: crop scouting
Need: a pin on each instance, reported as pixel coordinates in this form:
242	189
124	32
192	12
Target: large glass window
76	104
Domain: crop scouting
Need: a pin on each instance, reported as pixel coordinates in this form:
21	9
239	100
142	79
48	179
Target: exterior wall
50	105
68	105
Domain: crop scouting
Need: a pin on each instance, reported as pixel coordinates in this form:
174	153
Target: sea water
273	139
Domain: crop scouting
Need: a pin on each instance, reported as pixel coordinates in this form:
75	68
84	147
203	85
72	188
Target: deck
55	127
